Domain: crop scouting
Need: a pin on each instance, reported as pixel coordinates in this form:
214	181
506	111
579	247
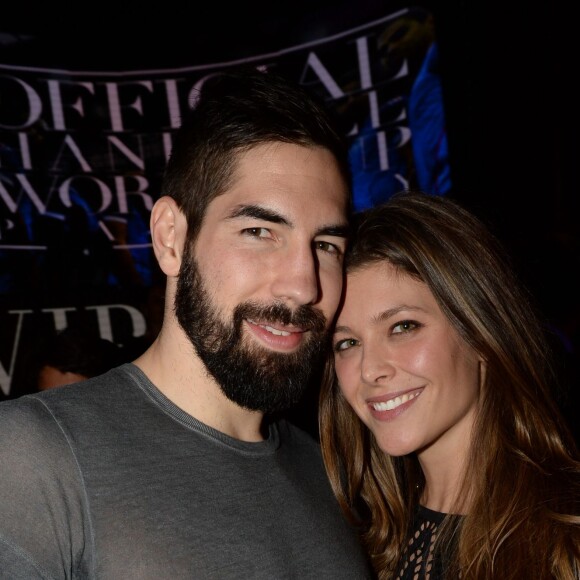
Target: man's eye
345	344
404	326
327	247
257	232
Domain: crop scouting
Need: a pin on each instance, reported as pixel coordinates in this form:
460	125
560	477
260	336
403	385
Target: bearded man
178	464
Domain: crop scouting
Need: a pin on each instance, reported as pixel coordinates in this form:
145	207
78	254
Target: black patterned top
420	561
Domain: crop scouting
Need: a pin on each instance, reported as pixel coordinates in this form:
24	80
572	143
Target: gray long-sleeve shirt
107	479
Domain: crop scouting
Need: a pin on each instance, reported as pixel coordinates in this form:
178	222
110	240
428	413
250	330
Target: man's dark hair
235	111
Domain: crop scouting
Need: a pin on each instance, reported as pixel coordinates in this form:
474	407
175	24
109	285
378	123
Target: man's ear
168	233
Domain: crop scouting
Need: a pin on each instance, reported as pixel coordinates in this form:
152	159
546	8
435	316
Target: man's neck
173	366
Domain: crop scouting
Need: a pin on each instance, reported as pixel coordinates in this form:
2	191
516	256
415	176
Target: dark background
510	93
508	72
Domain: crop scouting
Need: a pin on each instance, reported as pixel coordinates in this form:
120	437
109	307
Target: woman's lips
391	406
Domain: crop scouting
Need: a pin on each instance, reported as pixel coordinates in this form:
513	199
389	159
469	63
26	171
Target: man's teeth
272	330
276	331
393	403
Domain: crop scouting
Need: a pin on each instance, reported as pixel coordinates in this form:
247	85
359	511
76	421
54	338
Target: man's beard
248	374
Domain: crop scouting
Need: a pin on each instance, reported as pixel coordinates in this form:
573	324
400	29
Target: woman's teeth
393	403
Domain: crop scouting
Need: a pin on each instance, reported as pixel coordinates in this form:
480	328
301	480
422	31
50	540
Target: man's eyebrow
340	230
258	212
337	230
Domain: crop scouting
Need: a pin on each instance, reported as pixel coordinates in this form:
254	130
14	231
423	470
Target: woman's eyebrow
339	329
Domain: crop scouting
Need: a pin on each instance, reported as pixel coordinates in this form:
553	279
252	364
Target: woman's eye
345	344
404	326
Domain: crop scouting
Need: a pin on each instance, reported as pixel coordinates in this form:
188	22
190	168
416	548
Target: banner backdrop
82	155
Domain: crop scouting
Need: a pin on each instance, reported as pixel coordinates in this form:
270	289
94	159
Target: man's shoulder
105	392
111	380
67	423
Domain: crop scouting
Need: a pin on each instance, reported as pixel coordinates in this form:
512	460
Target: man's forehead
284	183
279	206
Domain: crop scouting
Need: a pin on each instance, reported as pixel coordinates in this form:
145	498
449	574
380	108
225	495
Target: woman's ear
482	371
168	232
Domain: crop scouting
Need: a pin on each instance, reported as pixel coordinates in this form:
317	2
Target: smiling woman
439	426
405	370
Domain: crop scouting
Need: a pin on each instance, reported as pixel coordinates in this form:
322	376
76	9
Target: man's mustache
305	316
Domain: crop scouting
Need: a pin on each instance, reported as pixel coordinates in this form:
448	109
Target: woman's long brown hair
522	488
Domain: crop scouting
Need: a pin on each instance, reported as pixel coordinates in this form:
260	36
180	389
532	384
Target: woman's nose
376	366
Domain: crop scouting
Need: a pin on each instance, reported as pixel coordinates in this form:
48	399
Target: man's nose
296	277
